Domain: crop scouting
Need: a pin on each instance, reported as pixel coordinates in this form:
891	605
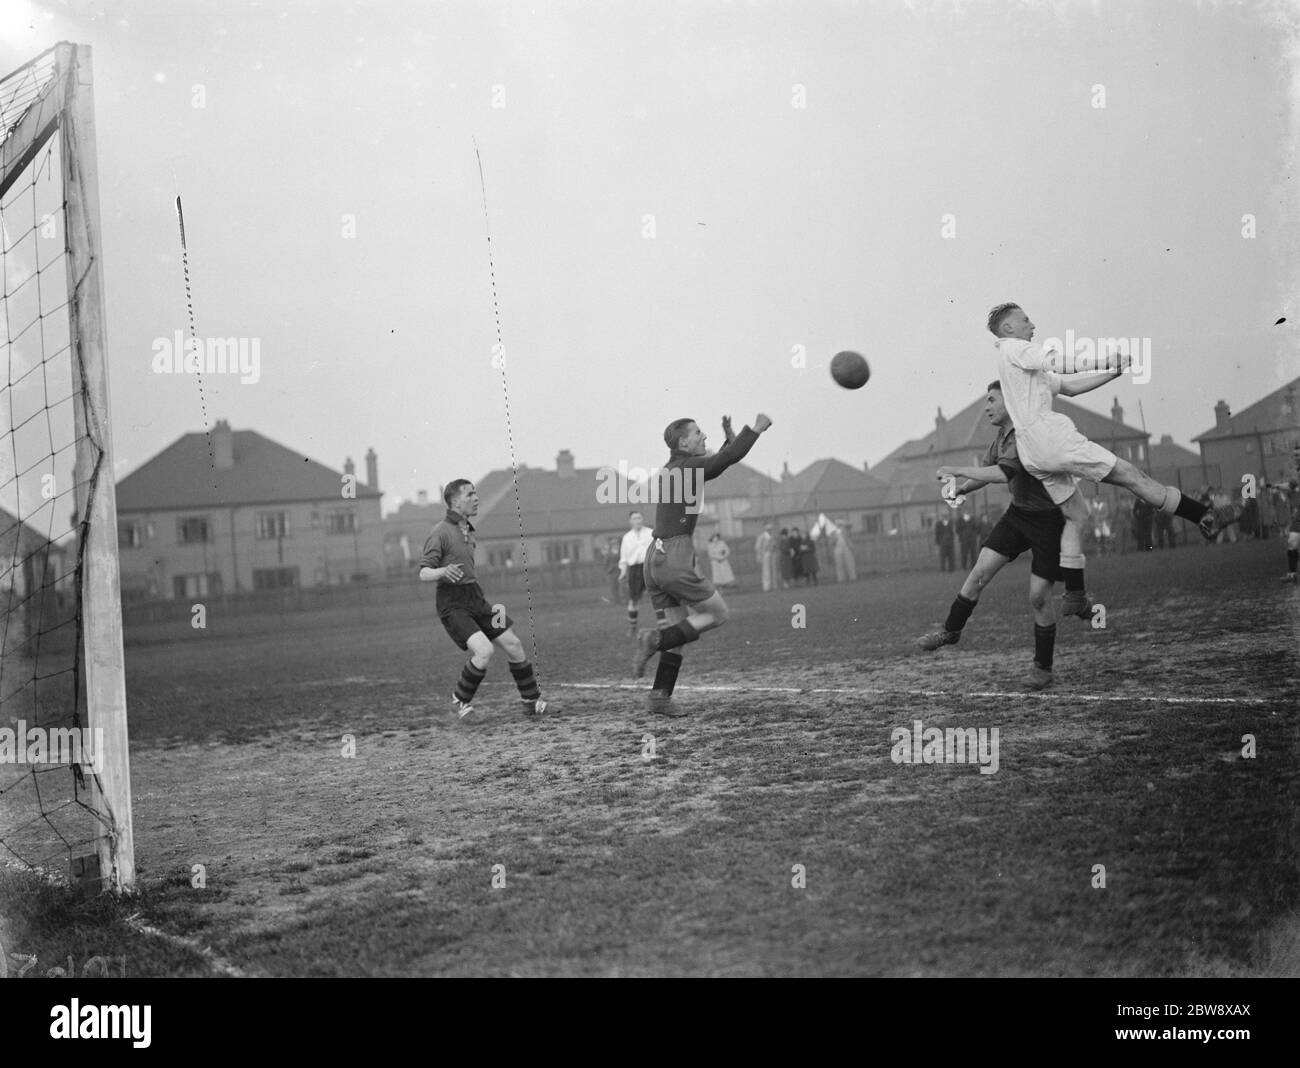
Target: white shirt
632	549
1028	382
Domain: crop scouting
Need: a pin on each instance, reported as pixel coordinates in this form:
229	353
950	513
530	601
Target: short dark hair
995	384
998	314
453	490
675	431
636	511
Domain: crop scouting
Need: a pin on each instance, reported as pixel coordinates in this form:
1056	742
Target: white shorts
1055	453
1293	539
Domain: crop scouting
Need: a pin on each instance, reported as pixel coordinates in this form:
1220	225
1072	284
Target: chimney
422	498
785	472
372	469
564	464
1166	439
1116	412
866	467
1222	413
223	446
349	468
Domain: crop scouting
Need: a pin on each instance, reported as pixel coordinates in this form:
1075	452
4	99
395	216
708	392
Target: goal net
64	775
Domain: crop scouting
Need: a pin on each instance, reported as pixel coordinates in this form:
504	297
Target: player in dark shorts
689	601
474	625
1292	490
1031	523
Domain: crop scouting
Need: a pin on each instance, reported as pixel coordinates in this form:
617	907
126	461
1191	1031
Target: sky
692	207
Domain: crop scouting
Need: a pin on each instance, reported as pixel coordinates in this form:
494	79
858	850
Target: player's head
1010	320
994	406
635	520
685	435
785	533
461	497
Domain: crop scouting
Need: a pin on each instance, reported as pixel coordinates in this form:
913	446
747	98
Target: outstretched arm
735	450
1073	385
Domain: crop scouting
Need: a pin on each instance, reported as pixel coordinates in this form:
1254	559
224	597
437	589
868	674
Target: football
850	370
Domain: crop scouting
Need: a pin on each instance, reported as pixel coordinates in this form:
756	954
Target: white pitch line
895	692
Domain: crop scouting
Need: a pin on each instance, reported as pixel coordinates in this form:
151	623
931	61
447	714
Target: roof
264	472
1169	454
552	504
827	486
1279	410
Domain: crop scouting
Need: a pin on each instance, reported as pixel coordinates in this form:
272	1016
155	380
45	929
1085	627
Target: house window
275	578
870	524
341	521
185	587
272	525
501	557
129	534
193	530
561	552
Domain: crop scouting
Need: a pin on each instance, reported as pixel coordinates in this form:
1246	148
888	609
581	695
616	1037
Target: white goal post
47	99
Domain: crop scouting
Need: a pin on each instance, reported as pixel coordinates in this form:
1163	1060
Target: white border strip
1054	695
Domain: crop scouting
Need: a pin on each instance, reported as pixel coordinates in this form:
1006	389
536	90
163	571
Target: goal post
47	116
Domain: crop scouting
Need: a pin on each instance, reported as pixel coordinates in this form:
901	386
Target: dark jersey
681	484
451	542
1027	492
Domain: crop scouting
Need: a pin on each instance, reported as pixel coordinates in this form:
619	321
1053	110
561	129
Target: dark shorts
670	574
464	612
635	582
1039	532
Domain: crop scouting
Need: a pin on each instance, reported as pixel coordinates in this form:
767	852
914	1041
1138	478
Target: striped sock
525	680
632	615
470	677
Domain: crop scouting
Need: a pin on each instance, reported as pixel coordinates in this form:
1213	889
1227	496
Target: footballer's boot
1289	577
647	644
536	708
463	708
938	639
1217	519
1076	603
1039	678
661	704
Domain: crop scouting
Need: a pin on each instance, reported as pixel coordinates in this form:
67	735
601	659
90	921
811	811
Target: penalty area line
1041	695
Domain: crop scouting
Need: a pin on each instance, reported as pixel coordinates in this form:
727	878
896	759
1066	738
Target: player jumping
631	555
1031	522
1052	449
473	624
690	603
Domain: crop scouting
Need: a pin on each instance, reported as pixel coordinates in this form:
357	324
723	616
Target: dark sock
470	677
666	675
660	617
525	680
1292	559
678	634
1073	578
632	616
1189	509
1044	645
959	613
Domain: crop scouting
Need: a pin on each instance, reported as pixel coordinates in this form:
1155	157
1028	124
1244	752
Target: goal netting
64	776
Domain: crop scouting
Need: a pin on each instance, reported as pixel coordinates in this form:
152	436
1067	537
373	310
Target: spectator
1267	510
1101	532
967	537
1221	499
1143	517
796	554
846	568
943	537
611	569
1164	525
784	558
765	546
808	563
720	560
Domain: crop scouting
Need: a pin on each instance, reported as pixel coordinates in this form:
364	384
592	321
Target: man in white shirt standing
631	555
1053	450
765	553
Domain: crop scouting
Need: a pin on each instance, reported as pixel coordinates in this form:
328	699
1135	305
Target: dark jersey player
1032	522
689	601
474	625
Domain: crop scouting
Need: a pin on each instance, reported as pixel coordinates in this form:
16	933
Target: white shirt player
632	549
1028	382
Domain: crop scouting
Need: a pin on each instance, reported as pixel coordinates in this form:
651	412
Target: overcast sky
670	228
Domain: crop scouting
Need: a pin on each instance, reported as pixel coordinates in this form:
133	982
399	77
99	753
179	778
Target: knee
1037	600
